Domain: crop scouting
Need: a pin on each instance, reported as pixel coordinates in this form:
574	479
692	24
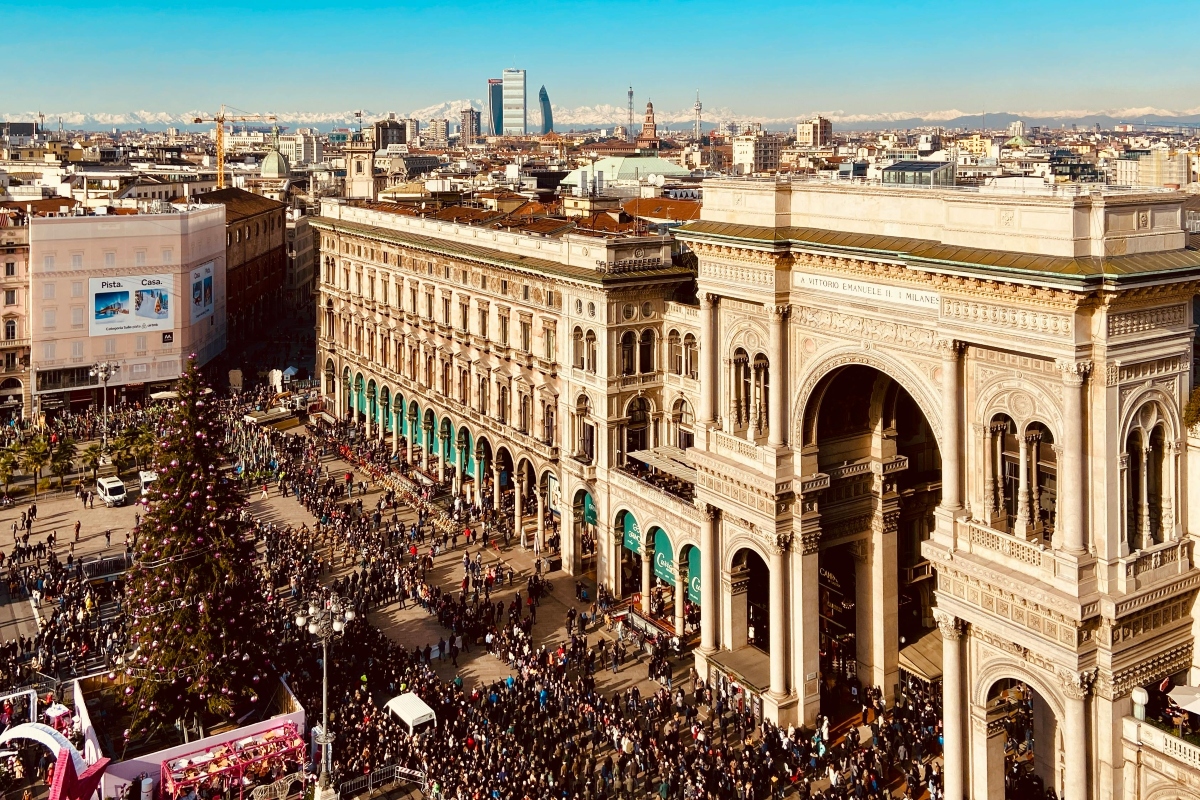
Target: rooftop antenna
629	128
697	108
358	116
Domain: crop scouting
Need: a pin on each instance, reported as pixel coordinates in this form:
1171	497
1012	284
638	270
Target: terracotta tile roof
239	204
663	208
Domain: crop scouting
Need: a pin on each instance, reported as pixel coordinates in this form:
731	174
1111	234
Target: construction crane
221	118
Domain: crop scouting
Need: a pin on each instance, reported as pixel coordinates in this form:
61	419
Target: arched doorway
867	433
637	426
1024	743
347	395
749	601
687	566
11	402
584	530
629	571
331	392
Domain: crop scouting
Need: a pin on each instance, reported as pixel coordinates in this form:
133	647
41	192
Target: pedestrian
107	539
264	494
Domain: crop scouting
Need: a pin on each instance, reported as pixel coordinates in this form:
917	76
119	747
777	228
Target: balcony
1158	564
1179	758
637	380
20	341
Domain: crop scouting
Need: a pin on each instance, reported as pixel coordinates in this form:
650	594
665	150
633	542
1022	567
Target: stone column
441	469
1071	481
1023	487
708	357
495	485
427	448
681	582
397	415
1123	506
952	703
541	521
479	477
951	425
780	619
518	528
408	442
461	472
989	483
708	579
1076	687
753	403
776	413
732	412
647	576
1144	510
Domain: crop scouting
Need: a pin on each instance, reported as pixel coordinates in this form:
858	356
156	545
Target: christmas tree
195	645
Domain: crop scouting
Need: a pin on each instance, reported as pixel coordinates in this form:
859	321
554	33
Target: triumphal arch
940	433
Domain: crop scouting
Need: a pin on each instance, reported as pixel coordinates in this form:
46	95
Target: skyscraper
547	115
514	123
470	126
495	107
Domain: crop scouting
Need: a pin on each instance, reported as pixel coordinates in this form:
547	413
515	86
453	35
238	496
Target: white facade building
515	102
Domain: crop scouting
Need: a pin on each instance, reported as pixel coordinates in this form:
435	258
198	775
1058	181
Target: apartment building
138	290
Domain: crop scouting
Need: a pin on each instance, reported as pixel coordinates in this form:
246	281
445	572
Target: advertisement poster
132	304
202	292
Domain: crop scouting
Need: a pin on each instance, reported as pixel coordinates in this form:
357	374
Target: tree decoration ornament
193	542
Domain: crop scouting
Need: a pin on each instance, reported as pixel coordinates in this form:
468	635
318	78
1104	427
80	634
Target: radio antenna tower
696	125
629	125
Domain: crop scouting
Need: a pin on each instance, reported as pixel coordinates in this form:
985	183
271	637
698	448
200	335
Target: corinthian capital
777	312
950	625
950	348
1078	685
1074	373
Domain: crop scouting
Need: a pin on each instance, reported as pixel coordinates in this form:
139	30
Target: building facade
514	120
301	260
547	113
817	132
495	106
756	152
15	396
255	260
469	126
141	291
973	424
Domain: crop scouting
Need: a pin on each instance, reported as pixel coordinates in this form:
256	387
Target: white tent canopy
411	710
1186	697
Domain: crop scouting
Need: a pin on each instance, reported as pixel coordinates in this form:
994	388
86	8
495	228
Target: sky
761	58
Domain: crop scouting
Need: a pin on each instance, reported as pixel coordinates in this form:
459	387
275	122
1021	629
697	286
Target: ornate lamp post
326	619
104	370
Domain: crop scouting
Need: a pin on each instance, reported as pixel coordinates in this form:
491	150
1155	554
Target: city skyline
776	66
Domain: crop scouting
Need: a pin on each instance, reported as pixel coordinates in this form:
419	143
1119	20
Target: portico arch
1010	701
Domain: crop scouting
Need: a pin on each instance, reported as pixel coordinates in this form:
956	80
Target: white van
111	490
147	479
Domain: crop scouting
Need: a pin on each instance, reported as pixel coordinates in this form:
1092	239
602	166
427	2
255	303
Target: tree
8	466
142	447
62	460
195	626
120	450
35	455
93	457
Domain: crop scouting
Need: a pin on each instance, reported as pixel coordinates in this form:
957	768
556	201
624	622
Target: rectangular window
10	297
167	255
503	321
47	291
445	310
77	318
548	341
464	315
429	305
483	322
76	260
76	349
526	335
10	269
110	259
48	263
110	345
76	288
139	258
139	343
412	296
49	318
525	292
48	351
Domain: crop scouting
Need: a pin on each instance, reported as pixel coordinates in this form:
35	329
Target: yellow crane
221	118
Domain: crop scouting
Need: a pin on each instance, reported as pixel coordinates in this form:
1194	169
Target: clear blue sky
757	58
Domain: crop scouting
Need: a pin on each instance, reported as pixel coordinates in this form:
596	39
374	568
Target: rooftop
239	204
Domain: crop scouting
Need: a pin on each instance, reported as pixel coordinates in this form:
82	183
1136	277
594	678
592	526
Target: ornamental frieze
1146	319
1117	373
1112	686
863	327
992	315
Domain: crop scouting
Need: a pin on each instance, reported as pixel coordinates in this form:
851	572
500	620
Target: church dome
275	166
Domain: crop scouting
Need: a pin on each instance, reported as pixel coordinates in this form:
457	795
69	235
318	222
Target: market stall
235	769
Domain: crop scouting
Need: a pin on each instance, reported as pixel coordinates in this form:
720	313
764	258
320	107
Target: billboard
202	292
130	304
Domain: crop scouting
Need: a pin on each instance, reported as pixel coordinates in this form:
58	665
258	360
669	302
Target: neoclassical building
881	434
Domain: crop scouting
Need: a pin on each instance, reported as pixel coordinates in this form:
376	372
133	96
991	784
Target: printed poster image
202	292
131	304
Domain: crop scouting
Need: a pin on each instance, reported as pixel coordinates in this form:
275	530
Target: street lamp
326	619
104	370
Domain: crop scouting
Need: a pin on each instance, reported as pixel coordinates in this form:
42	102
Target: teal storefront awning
664	559
589	510
633	534
693	580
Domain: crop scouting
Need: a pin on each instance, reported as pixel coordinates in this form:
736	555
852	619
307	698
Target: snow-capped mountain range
603	115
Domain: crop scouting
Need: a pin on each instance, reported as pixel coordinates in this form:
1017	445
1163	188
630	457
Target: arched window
691	367
646	351
524	420
10	329
590	351
675	353
637	429
484	394
548	435
682	417
585	430
503	410
1148	471
577	355
628	353
446	378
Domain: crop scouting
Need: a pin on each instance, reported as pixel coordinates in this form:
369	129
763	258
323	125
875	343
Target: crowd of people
548	729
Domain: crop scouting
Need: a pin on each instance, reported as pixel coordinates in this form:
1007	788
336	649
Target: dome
275	166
